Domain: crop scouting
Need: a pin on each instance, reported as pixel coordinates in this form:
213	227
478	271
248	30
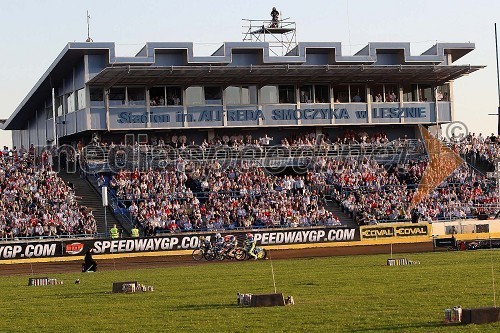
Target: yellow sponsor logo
378	232
412	231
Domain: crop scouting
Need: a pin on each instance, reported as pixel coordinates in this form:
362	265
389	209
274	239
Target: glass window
425	93
443	93
377	92
321	94
157	96
136	96
269	95
80	99
174	96
70	100
59	106
116	96
306	94
410	93
96	96
391	93
48	109
286	94
233	95
194	96
341	93
213	95
358	93
245	95
252	94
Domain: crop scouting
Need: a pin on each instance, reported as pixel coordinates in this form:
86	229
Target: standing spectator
114	232
135	231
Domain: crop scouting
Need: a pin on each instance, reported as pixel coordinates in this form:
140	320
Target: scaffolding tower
280	34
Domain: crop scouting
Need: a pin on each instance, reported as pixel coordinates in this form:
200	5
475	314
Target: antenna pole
88	25
498	80
88	28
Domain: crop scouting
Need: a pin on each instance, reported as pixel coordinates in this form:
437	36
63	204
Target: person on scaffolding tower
274	18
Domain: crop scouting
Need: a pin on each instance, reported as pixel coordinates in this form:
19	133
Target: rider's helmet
249	235
217	235
202	238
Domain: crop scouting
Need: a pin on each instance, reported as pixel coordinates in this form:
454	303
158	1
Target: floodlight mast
281	34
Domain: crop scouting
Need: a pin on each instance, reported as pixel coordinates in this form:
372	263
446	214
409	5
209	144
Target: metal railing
116	204
17	238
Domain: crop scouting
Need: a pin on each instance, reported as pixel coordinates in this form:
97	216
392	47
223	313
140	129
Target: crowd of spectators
35	202
372	193
208	196
476	149
240	196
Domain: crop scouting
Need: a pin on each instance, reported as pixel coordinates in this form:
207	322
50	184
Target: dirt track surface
185	260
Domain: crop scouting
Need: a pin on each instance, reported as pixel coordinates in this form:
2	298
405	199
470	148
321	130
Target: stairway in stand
88	196
344	218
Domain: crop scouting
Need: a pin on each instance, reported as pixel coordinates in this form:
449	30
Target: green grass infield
335	294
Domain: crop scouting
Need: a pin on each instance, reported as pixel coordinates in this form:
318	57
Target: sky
34	32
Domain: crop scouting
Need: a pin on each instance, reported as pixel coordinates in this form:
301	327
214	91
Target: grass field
336	294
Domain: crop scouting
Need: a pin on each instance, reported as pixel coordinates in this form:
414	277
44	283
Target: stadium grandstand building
244	139
89	94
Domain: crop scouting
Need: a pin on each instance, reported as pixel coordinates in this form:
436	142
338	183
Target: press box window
174	96
59	106
136	96
70	100
286	94
116	96
194	96
48	109
377	92
80	99
157	96
269	95
410	93
241	95
96	97
314	94
391	92
321	94
341	94
358	93
443	93
213	95
425	93
306	94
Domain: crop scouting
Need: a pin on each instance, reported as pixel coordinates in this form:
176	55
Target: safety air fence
170	242
394	232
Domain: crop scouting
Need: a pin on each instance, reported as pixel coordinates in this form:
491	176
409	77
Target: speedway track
141	262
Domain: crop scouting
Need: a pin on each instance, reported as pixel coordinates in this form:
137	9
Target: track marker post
493	275
272	270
